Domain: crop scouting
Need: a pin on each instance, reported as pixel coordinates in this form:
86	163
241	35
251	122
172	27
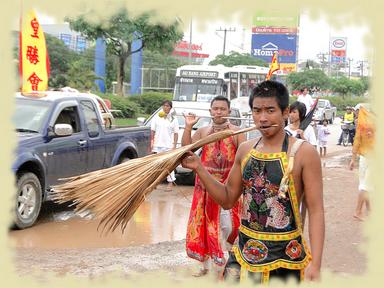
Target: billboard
264	45
273	31
275	19
338	49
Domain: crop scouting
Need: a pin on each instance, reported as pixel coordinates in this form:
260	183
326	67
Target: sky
313	38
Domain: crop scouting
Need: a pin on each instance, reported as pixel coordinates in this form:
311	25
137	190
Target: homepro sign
264	45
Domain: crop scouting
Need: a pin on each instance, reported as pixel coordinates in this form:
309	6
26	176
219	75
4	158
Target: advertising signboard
264	45
275	19
273	31
338	49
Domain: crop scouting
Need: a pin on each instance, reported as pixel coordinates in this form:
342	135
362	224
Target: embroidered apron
270	234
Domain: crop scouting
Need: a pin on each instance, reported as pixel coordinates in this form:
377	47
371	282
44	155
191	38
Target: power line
225	30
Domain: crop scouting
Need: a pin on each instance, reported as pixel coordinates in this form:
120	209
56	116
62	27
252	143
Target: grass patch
125	121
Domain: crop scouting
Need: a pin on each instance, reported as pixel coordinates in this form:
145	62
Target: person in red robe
212	230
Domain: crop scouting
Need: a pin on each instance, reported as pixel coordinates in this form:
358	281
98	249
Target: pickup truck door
66	156
97	143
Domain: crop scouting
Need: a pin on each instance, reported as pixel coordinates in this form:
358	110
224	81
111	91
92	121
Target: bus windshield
197	89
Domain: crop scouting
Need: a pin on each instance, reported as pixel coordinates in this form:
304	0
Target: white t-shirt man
306	99
164	129
309	134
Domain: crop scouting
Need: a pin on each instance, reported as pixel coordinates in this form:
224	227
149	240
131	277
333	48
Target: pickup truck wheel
28	200
124	159
332	119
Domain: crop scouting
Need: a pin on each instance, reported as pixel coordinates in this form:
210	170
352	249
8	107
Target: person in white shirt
305	98
322	136
297	113
164	134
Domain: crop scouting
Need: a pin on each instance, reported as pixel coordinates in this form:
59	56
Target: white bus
203	82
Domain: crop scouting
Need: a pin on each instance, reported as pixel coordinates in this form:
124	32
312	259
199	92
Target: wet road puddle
162	217
340	161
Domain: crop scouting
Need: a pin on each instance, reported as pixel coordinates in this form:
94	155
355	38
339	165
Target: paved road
63	242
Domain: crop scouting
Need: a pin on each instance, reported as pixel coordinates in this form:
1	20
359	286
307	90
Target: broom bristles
114	194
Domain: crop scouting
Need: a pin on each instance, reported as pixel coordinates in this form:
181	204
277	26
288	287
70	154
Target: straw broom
115	193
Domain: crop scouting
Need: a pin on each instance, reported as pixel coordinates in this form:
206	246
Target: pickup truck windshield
30	115
321	104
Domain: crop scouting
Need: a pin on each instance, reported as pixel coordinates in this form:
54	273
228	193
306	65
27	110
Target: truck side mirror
62	130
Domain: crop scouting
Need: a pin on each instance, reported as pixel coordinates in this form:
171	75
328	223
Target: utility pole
322	57
190	43
349	67
361	66
242	39
225	30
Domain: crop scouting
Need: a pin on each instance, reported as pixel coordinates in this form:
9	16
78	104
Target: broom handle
244	130
230	118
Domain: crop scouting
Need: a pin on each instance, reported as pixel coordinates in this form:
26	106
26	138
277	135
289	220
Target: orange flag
365	132
274	66
33	55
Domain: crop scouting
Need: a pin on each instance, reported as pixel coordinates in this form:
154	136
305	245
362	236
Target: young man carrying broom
211	229
270	238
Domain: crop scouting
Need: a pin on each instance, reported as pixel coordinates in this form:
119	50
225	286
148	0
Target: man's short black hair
221	98
166	101
271	88
300	107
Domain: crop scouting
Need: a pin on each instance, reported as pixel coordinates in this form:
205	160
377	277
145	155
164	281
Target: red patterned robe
202	239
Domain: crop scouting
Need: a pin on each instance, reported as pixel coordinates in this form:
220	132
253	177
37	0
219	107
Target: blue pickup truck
61	135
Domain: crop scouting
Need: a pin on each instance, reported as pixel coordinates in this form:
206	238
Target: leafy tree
80	76
341	86
235	58
118	32
310	78
155	59
365	81
356	87
345	86
60	58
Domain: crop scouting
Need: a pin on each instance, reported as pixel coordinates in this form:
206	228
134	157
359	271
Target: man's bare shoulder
203	131
307	153
245	147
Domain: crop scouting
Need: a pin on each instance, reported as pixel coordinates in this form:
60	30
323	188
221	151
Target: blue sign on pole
336	59
136	64
264	45
100	63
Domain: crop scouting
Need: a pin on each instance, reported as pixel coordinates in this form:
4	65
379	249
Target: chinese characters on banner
34	61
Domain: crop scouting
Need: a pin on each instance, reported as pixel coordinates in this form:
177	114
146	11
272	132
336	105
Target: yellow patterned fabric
365	133
270	235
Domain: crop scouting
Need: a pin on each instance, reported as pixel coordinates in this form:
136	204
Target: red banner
34	61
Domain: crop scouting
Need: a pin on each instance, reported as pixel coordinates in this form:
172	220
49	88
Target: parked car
185	175
325	110
61	135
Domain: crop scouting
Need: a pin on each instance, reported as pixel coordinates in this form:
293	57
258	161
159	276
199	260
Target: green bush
128	108
150	101
341	103
338	102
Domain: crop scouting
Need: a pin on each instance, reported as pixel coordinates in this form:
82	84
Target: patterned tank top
270	234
